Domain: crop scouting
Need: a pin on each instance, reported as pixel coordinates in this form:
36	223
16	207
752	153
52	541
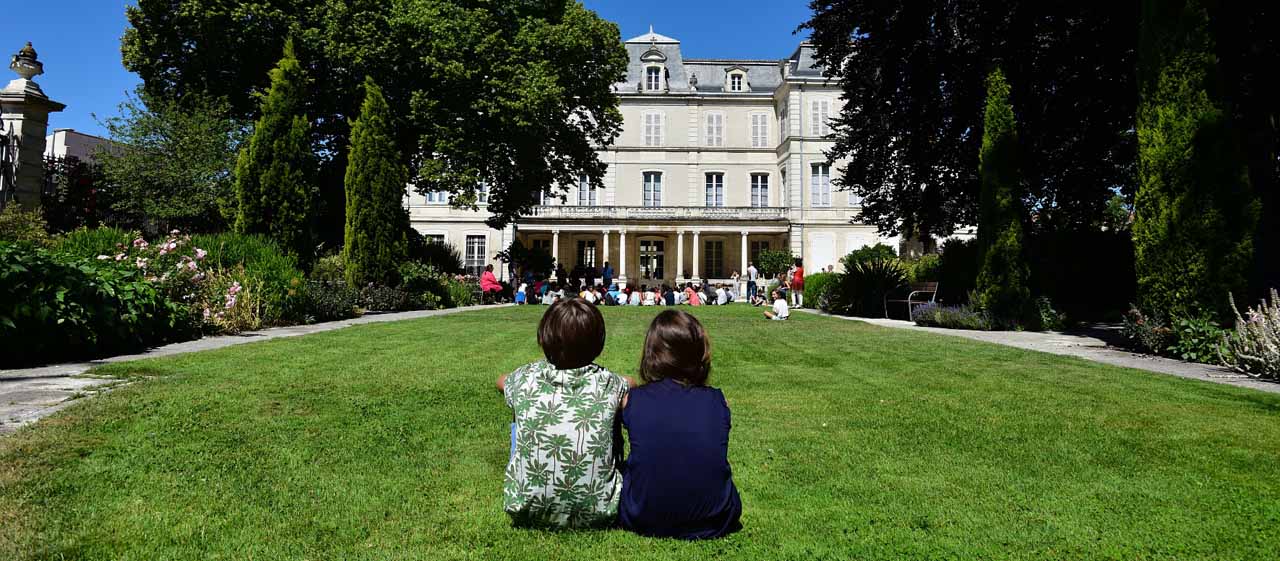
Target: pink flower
231	302
141	262
200	254
207	313
235	288
172	245
120	257
191	265
140	243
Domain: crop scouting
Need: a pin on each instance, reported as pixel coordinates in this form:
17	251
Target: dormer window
653	78
736	80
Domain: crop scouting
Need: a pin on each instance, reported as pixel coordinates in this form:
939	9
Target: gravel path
28	394
1089	344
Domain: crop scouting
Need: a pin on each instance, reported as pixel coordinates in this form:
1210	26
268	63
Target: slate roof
763	76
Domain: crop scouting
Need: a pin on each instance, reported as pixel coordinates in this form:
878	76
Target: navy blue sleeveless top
677	482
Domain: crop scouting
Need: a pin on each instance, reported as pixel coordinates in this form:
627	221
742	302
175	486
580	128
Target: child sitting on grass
780	310
562	472
678	483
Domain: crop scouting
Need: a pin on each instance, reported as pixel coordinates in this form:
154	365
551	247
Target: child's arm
631	384
502	383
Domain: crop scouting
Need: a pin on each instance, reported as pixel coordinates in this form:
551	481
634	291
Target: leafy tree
771	262
376	220
912	75
1002	279
1195	214
516	94
273	186
536	260
73	193
868	253
171	165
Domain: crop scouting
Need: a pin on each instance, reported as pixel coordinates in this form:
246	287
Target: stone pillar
24	112
622	258
555	253
605	259
696	278
742	272
680	257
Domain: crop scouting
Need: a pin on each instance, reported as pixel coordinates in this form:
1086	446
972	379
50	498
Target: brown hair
676	347
571	333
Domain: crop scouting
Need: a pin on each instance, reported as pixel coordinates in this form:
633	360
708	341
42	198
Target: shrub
91	242
951	317
441	256
330	268
1197	340
927	268
816	286
59	307
1148	333
957	270
233	301
23	226
1253	348
867	254
386	299
262	260
861	290
1050	319
430	287
462	291
328	301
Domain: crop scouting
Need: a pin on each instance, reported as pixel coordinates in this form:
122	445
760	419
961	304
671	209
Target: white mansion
718	159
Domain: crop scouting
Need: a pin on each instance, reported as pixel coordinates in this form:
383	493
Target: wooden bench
915	297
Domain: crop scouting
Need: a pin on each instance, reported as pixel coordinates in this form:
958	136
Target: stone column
742	272
680	257
696	278
555	253
605	237
24	112
622	258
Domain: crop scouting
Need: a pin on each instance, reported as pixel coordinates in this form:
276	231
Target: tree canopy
913	73
514	93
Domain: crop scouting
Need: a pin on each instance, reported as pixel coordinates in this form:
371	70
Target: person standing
606	275
797	285
752	275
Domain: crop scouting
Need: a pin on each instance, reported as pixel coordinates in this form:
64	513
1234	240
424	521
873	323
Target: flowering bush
462	291
172	266
1254	347
1148	333
951	317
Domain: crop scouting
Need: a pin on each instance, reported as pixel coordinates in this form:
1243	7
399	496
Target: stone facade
717	160
24	114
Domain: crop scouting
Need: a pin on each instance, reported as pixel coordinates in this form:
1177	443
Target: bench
915	297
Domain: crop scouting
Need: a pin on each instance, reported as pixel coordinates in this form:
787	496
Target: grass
388	441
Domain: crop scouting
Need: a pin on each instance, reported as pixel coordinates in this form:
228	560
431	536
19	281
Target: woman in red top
489	282
797	286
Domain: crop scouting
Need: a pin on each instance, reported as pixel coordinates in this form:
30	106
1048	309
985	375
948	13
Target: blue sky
79	41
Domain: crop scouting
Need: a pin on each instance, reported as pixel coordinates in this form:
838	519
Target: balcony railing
657	213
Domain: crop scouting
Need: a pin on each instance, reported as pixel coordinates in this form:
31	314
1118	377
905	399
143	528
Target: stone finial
25	64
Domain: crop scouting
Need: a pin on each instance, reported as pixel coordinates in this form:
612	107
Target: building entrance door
652	257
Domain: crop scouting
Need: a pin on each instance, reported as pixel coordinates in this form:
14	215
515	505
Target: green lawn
388	441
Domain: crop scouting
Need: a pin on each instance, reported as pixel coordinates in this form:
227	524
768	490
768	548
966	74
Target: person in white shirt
588	295
634	299
780	310
753	275
722	297
648	299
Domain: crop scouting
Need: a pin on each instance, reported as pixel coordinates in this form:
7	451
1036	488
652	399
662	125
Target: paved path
1090	344
26	395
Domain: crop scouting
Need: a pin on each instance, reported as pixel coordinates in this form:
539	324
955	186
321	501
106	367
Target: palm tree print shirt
563	471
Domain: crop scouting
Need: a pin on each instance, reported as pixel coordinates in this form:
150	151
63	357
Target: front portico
647	245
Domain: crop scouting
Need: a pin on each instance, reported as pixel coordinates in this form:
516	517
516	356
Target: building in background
68	143
718	160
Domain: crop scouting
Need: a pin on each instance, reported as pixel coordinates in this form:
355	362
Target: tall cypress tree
375	184
1195	213
1002	280
274	170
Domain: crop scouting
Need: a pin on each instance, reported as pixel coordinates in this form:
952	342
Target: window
437	197
715	129
756	248
586	191
542	244
587	253
713	259
819	115
759	130
820	194
653	122
482	193
653	78
545	198
652	188
854	199
759	190
785	123
652	255
783	193
715	189
735	82
433	238
475	255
